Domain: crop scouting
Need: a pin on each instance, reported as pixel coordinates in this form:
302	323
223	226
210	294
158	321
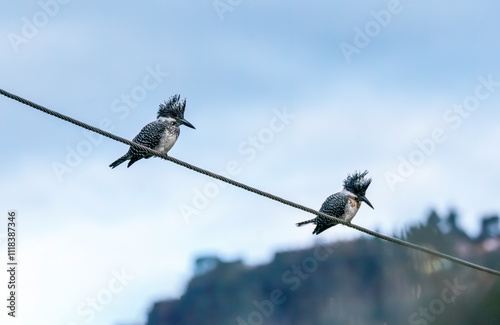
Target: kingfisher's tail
120	160
300	224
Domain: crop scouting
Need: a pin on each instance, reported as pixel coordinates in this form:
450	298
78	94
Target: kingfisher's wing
150	136
335	205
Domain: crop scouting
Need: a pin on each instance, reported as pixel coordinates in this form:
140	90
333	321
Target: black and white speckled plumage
151	136
343	205
159	135
334	205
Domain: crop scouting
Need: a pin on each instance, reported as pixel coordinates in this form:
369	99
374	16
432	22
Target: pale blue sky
87	57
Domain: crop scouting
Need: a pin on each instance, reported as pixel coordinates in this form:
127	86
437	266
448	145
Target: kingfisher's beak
364	199
186	123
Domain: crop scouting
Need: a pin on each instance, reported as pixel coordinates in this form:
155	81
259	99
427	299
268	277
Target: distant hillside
366	281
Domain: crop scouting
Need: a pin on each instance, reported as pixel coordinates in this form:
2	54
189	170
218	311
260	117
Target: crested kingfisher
344	204
159	135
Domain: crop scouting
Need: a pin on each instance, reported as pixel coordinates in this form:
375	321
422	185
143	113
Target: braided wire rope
246	187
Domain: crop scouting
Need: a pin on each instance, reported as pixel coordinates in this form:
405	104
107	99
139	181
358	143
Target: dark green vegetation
366	281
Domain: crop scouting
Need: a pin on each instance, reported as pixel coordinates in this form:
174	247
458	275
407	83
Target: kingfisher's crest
357	183
174	107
